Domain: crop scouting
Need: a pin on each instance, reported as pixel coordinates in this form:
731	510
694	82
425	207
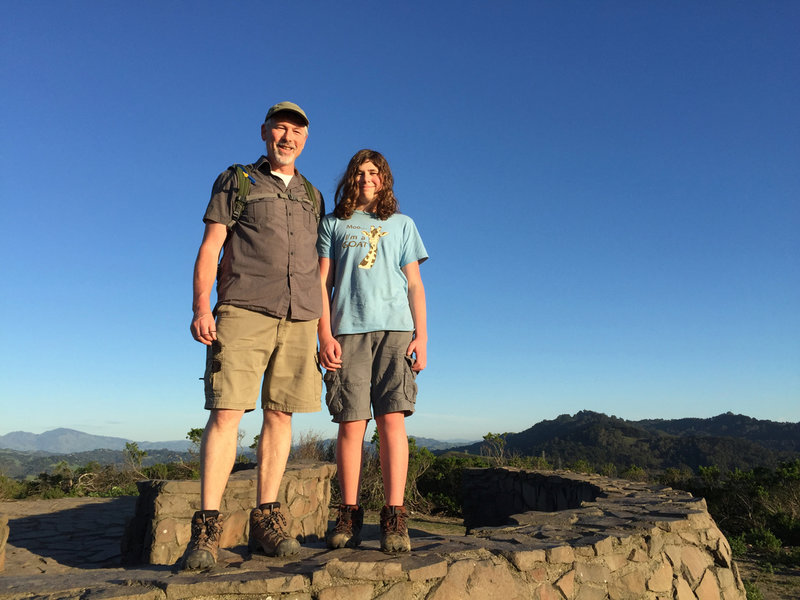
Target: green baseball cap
287	106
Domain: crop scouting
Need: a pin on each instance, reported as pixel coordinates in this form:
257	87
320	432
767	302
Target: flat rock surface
69	547
59	536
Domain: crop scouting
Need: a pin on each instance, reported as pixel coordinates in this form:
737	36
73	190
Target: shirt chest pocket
308	215
259	209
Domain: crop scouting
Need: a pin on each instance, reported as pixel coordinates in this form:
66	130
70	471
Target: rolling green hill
727	441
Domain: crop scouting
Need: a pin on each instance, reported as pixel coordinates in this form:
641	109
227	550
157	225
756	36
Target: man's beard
283	160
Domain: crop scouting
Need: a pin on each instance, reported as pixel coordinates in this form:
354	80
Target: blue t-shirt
370	291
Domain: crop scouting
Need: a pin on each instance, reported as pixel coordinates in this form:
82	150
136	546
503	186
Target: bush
752	591
582	466
441	483
634	473
11	489
608	469
738	545
763	540
313	447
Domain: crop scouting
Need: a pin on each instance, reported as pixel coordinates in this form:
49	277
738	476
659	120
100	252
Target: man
264	333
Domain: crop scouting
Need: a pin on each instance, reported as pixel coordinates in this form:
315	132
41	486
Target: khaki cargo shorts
375	373
253	351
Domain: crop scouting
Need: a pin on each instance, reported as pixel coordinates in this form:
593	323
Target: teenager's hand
330	354
419	349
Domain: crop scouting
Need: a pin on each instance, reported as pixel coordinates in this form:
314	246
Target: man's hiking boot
347	531
394	529
204	545
267	531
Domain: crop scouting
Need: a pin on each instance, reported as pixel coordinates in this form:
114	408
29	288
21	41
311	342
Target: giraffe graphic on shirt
374	234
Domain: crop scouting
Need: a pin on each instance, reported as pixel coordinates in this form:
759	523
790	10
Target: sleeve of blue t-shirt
413	248
324	236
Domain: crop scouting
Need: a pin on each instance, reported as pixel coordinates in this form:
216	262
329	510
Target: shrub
441	483
763	539
11	489
676	478
312	447
494	447
752	591
738	545
608	469
634	473
582	466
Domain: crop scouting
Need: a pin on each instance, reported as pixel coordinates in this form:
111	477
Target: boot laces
206	531
395	522
344	523
273	520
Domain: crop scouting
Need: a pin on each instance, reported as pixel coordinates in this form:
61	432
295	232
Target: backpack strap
311	196
243	181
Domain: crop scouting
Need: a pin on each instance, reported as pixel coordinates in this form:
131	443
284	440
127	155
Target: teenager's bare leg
217	455
394	456
274	444
349	452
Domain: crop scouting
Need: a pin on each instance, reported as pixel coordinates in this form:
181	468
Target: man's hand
204	328
330	354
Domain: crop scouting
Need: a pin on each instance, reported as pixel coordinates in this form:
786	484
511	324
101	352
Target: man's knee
277	418
224	419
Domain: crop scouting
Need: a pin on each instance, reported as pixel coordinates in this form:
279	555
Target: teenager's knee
391	422
352	430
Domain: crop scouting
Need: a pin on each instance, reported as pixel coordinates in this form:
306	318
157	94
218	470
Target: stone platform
631	542
160	530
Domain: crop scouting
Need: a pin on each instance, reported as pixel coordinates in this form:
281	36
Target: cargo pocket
333	394
212	375
318	378
410	384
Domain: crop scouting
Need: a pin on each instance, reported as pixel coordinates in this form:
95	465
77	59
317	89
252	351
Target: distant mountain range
70	441
66	441
728	441
24	454
20	465
433	445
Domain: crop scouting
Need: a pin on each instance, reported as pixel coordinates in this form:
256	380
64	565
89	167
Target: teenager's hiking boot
204	545
347	531
267	532
394	529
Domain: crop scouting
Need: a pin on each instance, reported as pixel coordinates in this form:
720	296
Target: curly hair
347	189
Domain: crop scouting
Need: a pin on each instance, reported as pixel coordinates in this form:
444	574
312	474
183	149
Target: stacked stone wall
598	539
606	539
492	495
3	540
160	530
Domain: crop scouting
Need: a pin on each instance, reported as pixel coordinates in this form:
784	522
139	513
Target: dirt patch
774	583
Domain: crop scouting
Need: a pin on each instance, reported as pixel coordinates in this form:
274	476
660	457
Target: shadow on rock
86	536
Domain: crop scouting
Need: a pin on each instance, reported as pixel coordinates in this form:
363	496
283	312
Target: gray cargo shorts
375	373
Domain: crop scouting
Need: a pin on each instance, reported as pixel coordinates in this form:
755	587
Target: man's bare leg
267	522
274	445
217	455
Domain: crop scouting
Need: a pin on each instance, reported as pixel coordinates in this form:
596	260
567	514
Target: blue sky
608	192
